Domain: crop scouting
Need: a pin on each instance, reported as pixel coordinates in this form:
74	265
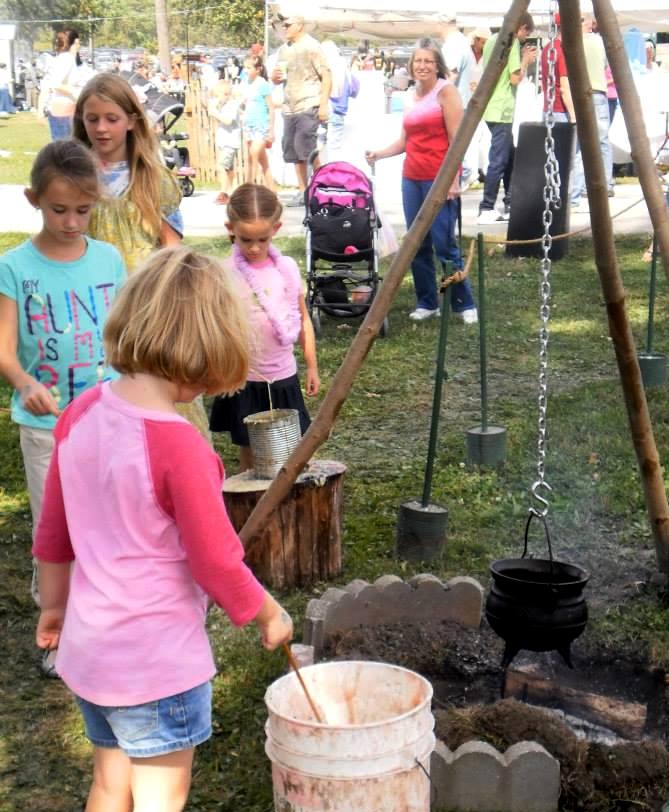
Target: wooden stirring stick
296	669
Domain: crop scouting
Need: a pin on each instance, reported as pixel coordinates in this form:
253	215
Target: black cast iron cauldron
536	603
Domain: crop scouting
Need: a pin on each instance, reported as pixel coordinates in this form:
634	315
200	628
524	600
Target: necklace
286	327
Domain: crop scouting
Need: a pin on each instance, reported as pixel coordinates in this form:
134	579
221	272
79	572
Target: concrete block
342	615
370	606
313	625
423	577
466	596
532	780
394	600
356	586
477	778
477	773
332	595
386	580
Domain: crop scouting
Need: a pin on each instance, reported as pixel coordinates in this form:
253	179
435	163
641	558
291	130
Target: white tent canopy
393	20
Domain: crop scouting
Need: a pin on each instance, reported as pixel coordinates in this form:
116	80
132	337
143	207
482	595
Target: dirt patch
464	667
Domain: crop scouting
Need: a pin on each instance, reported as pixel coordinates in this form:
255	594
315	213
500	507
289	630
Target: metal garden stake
486	445
653	365
421	524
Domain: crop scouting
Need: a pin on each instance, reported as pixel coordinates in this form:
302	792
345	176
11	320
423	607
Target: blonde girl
138	211
139	521
258	120
55	292
271	287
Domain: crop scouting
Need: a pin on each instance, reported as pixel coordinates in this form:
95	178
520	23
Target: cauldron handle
532	513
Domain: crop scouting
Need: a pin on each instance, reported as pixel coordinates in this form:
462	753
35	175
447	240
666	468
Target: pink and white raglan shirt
133	497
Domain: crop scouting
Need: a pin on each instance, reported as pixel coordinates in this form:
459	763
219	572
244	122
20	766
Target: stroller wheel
187	186
384	330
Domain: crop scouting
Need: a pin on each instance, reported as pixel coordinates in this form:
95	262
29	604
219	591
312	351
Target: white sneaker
487	217
422	313
470	316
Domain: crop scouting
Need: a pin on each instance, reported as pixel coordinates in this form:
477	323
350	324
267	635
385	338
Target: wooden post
320	429
636	129
612	285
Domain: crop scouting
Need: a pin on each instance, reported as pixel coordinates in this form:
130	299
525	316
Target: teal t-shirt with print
502	103
61	308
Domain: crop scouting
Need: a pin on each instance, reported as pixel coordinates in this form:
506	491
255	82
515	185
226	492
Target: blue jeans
500	165
60	127
439	240
601	104
6	104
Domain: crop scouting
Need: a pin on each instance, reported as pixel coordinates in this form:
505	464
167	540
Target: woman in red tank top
432	115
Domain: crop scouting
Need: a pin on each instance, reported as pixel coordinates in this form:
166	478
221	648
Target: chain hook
541	500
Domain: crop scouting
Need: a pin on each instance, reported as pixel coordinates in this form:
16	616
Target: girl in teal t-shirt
258	121
55	292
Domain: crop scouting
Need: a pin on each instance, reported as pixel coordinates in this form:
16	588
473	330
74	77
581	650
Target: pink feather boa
286	328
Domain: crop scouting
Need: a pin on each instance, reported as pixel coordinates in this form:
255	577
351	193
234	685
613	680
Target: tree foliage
131	23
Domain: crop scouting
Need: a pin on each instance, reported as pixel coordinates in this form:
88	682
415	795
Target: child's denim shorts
175	723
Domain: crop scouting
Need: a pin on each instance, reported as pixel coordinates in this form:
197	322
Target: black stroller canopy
162	107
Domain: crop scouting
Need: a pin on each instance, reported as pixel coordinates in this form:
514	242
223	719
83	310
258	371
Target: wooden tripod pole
611	282
630	105
341	385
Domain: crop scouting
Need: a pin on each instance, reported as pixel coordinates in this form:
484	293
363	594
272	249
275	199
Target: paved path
205	219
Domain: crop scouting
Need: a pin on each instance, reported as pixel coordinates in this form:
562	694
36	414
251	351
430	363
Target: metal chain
551	196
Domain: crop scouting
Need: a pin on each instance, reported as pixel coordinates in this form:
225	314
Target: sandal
48	664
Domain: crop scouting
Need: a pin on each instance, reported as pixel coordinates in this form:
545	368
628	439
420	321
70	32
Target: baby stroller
163	111
342	243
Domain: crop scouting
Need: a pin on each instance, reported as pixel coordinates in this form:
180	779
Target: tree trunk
163	35
300	543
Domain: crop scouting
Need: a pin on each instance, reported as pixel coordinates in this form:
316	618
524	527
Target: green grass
597	513
22	135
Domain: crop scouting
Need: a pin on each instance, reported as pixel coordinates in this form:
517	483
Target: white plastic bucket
371	754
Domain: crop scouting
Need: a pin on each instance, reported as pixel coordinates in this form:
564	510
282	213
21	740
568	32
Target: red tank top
426	136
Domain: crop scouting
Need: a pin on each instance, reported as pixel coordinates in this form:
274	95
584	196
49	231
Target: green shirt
503	100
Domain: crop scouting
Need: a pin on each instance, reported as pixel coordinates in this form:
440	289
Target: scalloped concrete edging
388	600
476	777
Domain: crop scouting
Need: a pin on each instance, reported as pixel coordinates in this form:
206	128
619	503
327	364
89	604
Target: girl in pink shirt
133	536
271	285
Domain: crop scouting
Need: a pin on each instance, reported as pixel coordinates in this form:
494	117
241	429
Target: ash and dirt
463	665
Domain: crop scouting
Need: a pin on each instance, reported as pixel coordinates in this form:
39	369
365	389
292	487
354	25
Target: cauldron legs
565	653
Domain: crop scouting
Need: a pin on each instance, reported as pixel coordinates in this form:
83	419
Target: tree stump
301	541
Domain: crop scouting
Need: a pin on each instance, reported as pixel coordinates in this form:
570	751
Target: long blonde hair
141	143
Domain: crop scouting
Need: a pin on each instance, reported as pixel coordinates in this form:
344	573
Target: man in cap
301	65
498	115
